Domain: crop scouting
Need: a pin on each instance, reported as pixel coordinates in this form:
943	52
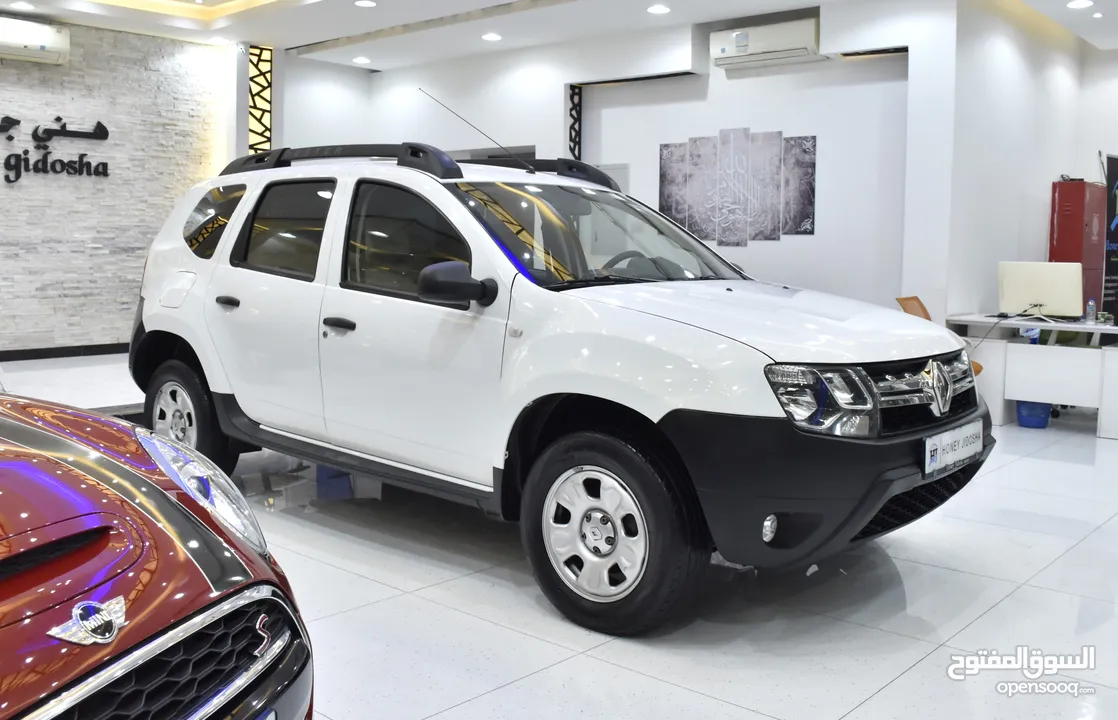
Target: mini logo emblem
92	622
264	634
938	386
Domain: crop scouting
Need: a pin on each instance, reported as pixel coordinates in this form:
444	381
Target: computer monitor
1041	288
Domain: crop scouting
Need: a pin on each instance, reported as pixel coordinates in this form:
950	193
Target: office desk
1015	370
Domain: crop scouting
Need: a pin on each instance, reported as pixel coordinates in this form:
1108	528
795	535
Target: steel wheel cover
595	534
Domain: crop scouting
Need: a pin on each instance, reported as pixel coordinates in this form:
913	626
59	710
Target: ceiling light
365	3
491	37
22	6
1080	4
1098	15
362	60
659	9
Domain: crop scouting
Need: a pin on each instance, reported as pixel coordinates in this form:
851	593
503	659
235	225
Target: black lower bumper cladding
827	493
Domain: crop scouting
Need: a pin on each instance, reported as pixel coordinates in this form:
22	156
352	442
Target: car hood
86	515
787	324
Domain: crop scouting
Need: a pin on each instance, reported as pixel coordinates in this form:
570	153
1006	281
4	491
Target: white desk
1015	370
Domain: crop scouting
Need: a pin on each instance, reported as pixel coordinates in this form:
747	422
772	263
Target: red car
134	581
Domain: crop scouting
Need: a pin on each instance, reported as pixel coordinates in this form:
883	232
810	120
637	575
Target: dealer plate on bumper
953	449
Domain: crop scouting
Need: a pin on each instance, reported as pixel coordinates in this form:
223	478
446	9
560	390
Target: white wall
72	247
322	104
856	108
1098	113
927	29
1017	93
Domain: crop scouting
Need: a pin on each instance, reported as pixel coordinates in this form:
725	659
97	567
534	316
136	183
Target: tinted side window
208	219
393	235
287	228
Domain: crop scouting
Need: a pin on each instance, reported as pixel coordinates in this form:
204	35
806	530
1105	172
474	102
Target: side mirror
451	282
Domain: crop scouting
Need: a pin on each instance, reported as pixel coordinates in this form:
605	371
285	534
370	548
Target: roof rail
563	166
412	155
418	157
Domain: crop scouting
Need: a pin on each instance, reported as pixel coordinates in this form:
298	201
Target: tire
186	391
644	597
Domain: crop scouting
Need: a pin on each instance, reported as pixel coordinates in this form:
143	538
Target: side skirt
239	426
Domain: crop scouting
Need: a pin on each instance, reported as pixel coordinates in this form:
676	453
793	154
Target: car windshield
566	236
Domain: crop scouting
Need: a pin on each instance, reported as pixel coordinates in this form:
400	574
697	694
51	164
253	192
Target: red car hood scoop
50	565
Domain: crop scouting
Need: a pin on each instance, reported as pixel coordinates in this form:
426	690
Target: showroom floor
420	608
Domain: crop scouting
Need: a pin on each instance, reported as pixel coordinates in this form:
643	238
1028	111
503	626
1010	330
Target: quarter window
207	221
287	228
393	235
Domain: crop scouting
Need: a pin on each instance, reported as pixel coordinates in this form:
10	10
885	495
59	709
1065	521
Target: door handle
227	301
339	323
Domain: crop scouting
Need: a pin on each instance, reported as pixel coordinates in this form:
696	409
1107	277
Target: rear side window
286	230
393	235
208	219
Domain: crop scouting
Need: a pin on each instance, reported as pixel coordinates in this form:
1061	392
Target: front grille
905	396
914	504
181	678
39	556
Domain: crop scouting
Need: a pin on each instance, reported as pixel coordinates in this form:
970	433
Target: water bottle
1091	315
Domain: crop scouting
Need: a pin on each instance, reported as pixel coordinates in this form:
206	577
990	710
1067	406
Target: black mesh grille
911	418
37	557
180	679
915	503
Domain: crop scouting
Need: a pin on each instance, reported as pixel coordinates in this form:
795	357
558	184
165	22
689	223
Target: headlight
832	401
205	482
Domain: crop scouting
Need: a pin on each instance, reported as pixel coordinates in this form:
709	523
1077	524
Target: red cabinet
1078	232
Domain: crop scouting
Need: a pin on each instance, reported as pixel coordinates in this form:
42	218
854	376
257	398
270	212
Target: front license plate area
948	451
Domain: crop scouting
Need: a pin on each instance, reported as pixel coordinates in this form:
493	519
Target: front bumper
829	494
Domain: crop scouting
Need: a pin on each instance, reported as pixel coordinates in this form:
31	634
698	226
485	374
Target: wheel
612	543
179	406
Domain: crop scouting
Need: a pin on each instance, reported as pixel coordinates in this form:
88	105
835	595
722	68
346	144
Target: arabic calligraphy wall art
740	186
20	163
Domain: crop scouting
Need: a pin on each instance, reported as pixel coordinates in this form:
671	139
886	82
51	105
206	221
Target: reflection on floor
420	608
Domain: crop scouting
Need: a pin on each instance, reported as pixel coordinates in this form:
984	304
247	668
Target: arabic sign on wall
25	162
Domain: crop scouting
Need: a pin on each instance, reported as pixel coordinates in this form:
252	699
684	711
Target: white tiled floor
98	381
424	609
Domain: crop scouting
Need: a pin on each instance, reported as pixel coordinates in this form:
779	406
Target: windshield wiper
598	281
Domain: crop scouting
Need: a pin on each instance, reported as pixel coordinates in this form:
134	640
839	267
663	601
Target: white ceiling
395	33
1101	32
565	20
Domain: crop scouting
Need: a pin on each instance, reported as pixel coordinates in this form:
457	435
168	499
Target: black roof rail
412	155
563	166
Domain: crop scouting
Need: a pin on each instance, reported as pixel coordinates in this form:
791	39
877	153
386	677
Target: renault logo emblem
937	387
92	622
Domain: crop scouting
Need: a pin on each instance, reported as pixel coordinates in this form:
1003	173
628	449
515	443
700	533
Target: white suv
526	338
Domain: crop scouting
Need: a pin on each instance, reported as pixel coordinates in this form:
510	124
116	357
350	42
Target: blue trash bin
1033	414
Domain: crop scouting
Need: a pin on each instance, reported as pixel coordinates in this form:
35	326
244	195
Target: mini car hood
86	515
787	324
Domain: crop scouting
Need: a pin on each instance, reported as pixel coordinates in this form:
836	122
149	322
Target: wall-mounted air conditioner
780	44
34	42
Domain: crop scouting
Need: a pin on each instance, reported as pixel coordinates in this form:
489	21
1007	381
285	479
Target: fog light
768	528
